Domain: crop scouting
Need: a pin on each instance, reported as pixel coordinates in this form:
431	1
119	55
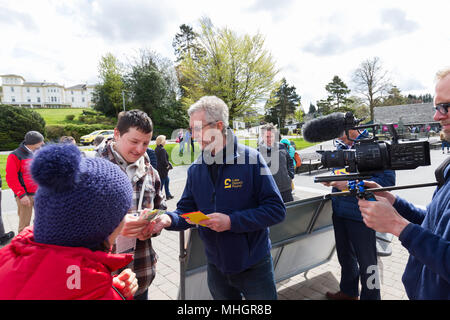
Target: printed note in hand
195	217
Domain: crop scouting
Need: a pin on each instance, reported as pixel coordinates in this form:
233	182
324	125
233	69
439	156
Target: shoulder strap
439	172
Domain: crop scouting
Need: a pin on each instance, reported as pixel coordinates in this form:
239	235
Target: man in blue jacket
355	242
425	233
233	186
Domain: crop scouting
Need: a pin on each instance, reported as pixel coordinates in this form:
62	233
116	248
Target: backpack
298	160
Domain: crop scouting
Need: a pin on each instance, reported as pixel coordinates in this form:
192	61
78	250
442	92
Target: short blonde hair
441	74
160	140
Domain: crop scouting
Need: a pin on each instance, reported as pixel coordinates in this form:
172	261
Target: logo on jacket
232	183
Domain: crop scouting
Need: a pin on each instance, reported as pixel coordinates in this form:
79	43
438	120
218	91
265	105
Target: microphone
328	127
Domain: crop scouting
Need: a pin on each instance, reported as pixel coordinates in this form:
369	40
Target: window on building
39	99
29	99
37	90
82	99
73	99
28	89
12	89
13	99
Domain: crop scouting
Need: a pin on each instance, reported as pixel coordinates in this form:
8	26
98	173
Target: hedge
54	132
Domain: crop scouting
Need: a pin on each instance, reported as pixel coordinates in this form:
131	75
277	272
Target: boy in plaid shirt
132	136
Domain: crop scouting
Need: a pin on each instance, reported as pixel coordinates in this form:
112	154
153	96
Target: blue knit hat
80	201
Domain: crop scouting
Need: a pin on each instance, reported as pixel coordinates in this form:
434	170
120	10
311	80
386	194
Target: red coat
35	271
18	175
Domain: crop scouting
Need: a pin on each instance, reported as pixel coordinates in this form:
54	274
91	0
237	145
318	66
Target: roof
12	75
407	113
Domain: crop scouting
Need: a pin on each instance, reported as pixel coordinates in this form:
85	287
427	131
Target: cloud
121	21
277	9
11	17
394	23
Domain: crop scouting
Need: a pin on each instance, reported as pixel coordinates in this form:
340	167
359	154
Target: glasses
442	107
201	128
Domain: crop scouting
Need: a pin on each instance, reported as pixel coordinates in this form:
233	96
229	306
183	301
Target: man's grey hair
214	107
441	74
269	127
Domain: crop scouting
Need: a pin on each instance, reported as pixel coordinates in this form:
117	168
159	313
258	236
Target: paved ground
318	280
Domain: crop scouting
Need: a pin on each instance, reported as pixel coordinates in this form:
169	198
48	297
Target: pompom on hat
80	201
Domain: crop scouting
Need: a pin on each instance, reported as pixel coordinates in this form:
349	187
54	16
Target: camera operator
355	243
425	233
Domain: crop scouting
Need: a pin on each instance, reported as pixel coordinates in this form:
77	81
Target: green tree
107	96
338	92
152	84
235	68
15	122
312	109
283	104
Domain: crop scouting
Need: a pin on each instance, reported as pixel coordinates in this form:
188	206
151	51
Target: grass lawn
173	151
58	116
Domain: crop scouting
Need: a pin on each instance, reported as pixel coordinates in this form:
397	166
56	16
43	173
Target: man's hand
126	283
381	216
155	226
218	222
385	194
133	226
25	201
341	185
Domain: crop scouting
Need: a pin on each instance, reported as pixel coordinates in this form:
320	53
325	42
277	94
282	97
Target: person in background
4	237
19	178
355	242
290	149
67	139
445	143
163	164
187	139
278	160
181	141
66	254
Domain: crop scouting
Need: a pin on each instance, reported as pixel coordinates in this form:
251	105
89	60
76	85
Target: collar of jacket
135	171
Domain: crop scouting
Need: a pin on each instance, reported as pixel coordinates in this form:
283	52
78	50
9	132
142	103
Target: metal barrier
304	240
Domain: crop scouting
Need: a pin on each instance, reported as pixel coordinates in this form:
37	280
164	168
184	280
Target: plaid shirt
145	257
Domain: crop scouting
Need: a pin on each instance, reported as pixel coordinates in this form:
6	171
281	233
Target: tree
338	92
284	103
107	96
152	84
312	109
394	98
235	68
15	122
371	81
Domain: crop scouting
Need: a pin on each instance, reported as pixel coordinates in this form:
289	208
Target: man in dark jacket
19	178
232	185
278	160
355	242
424	233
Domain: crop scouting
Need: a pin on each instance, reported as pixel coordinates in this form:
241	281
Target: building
16	91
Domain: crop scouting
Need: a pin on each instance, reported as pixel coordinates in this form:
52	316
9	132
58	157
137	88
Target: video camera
371	155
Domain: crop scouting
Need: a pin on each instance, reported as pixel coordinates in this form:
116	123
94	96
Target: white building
16	91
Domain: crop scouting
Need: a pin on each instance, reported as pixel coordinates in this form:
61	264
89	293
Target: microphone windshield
324	128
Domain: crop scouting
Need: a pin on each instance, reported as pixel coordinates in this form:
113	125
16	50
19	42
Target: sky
310	41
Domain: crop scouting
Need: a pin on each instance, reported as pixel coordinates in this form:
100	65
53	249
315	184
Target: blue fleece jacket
245	191
347	206
427	238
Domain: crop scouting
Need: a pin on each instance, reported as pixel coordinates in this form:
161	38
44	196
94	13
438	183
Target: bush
70	117
284	131
15	122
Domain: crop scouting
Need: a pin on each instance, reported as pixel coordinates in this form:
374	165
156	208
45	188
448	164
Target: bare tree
371	81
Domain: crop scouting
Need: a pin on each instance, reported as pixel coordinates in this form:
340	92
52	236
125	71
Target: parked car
89	139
